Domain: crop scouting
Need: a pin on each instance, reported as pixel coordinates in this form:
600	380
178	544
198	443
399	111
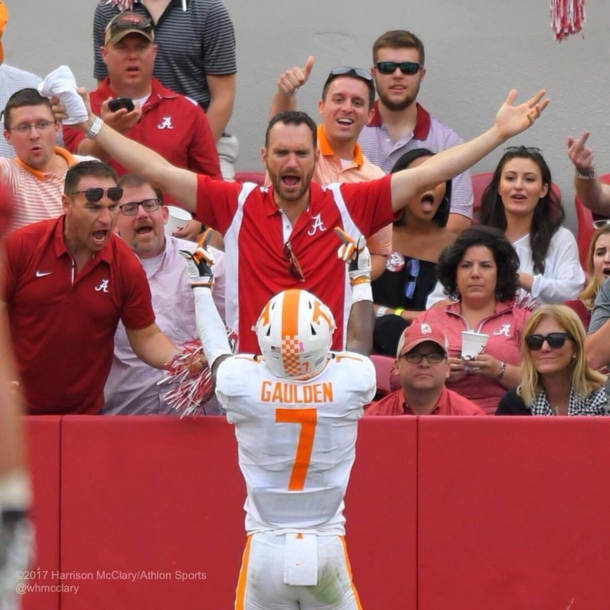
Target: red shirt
63	326
256	268
449	403
171	124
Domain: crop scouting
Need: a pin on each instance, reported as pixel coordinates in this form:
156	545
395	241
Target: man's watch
590	175
95	128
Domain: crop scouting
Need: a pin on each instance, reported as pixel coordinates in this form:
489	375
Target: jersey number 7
308	419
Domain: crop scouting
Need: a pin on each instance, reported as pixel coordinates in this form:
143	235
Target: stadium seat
585	230
256	177
383	371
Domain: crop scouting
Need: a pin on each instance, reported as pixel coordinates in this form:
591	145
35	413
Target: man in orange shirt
423	369
345	108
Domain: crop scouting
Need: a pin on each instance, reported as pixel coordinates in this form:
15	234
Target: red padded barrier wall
381	513
513	513
156	500
44	444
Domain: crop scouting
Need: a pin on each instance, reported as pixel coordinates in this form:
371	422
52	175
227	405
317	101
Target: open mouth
144	230
427	202
345	121
290	180
100	237
606	272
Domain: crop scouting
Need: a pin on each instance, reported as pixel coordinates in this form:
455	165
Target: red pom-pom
567	17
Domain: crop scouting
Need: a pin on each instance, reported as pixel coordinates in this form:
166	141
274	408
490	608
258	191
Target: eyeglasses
27	127
554	340
293	263
413	273
532	150
131	208
416	357
601	223
406	67
94	194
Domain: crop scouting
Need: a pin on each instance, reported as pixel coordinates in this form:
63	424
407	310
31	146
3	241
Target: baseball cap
420	333
3	22
128	23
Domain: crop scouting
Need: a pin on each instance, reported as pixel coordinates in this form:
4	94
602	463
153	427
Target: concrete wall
476	51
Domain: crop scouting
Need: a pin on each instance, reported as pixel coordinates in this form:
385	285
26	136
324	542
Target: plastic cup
177	218
473	344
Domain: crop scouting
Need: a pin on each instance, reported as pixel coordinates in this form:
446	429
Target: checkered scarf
595	403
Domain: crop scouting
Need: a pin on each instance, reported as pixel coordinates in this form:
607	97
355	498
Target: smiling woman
556	377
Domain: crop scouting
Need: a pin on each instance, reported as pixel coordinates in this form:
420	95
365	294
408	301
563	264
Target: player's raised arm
510	121
361	319
210	327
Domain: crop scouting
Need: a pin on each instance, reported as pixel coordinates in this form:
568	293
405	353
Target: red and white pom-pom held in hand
191	392
567	17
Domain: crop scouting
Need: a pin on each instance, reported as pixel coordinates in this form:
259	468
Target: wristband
590	175
381	311
362	292
95	128
499	376
398	311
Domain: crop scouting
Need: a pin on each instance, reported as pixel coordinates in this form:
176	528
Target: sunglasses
416	357
343	70
532	150
406	67
132	21
293	263
601	223
131	208
413	273
93	195
554	340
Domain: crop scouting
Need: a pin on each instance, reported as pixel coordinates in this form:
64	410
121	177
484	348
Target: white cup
177	218
472	344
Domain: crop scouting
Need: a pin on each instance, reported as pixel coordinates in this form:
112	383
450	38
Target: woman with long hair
598	268
520	202
418	237
556	377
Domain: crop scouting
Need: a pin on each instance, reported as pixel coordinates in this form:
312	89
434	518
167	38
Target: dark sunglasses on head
293	263
532	150
131	208
94	194
406	67
554	340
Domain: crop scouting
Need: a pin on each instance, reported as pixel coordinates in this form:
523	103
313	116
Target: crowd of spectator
378	164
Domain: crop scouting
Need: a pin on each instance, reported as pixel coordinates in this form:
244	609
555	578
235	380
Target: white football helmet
295	331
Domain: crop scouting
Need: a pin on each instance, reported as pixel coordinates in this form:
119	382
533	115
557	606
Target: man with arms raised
296	460
346	107
400	124
68	283
287	225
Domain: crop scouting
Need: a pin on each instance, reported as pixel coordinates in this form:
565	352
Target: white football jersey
296	439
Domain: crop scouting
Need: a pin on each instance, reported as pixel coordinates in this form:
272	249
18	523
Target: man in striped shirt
35	176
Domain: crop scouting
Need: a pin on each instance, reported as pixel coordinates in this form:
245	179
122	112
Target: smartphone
121	102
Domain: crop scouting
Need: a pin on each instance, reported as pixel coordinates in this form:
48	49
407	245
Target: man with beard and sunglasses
399	124
278	237
68	282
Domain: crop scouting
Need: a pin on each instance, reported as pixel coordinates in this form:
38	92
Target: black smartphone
121	102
